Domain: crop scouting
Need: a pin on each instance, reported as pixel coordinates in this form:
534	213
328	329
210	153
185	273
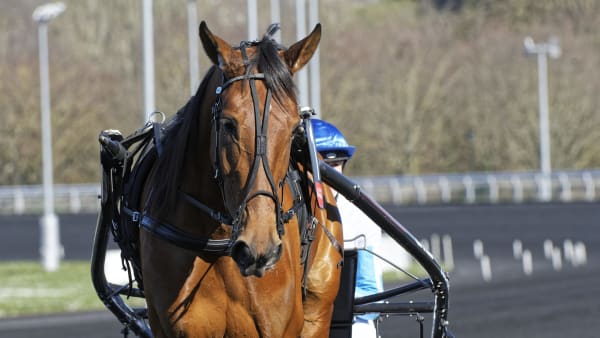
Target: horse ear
300	53
217	49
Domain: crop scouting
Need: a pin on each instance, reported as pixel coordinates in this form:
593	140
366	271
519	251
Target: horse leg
165	272
318	308
318	320
154	323
323	278
152	270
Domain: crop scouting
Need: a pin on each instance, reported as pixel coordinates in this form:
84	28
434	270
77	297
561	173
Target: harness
127	171
128	162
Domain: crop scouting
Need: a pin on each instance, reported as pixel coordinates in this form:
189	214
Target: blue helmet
330	142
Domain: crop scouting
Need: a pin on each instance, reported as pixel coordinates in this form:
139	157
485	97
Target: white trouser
363	329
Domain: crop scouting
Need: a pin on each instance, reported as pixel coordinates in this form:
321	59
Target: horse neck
198	177
197	172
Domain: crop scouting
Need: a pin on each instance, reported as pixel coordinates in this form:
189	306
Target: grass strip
27	289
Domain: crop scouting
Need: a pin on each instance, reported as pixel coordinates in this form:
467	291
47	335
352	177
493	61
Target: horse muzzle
251	263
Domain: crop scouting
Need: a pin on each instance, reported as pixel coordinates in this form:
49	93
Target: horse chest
217	301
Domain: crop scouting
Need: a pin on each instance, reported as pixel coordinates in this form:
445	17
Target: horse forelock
263	57
277	74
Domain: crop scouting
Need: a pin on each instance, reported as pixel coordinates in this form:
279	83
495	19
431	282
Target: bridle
224	246
260	154
206	244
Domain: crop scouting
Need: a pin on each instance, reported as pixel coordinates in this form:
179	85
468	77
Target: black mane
177	134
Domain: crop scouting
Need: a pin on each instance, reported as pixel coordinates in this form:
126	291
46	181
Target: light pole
276	17
148	38
49	228
314	65
543	50
193	45
302	75
252	20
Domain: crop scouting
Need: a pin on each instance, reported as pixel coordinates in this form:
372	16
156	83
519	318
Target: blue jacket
366	234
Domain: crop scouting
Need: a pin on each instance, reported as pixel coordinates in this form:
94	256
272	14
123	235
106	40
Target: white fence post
493	188
396	191
590	187
19	201
420	190
517	186
74	201
445	189
565	187
469	189
544	186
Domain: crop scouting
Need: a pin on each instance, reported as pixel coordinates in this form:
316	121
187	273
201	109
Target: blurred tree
416	89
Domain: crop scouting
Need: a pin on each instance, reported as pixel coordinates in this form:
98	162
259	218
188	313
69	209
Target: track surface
548	303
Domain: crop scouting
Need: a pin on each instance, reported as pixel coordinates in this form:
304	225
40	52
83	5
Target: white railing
68	198
484	187
469	188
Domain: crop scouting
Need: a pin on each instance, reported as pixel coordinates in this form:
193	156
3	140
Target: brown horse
220	247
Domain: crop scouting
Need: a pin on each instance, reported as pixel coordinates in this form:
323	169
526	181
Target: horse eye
229	127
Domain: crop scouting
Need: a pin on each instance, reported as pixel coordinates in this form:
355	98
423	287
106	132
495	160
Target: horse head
254	117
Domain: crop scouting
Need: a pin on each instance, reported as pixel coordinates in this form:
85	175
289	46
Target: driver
359	230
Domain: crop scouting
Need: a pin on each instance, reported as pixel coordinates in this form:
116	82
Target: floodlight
554	50
529	45
47	12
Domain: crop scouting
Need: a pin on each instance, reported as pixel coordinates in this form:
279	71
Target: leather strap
183	239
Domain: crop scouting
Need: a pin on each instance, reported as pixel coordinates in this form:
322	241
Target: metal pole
50	233
542	64
46	125
193	46
276	17
51	248
542	50
302	75
148	28
252	20
314	65
544	124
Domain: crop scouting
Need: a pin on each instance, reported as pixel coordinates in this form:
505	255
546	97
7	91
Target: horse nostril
269	260
278	251
242	254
